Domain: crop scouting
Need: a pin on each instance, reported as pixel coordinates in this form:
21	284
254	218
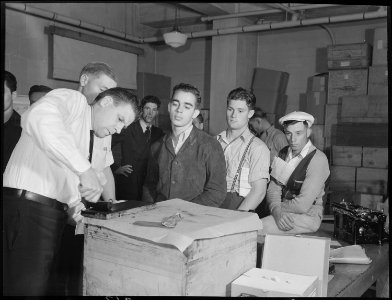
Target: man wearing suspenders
298	178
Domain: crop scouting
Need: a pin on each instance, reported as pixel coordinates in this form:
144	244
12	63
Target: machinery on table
108	210
358	225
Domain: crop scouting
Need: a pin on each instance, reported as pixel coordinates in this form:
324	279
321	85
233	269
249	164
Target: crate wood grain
346	83
342	178
372	181
348	51
118	264
375	157
380	46
332	114
367	200
349	156
378	80
365	106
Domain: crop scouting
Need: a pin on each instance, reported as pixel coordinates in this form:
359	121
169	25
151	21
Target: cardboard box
135	255
367	200
270	102
380	46
349	156
372	181
267	283
299	254
315	105
342	178
378	80
349	56
375	157
364	107
318	83
270	80
346	83
361	134
317	136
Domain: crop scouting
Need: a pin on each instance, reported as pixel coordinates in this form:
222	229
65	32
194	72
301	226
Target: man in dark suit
135	144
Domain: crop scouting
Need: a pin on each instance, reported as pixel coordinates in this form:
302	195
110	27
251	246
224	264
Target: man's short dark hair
200	118
98	68
242	94
39	89
120	96
185	87
150	99
10	81
259	113
291	122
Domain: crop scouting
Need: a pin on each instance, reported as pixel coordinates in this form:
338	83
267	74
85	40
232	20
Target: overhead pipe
21	7
278	25
285	8
265	12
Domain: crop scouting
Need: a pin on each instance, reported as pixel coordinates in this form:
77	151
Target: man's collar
245	135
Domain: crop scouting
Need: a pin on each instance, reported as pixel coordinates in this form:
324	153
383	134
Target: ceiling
162	16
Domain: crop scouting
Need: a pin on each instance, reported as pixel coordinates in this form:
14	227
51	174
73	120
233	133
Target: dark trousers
131	187
31	239
68	269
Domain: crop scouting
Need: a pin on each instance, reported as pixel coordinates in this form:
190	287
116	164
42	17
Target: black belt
35	197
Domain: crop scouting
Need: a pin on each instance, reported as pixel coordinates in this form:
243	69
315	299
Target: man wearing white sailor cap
298	178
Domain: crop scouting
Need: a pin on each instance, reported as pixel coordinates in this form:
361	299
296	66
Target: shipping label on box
267	283
375	157
372	181
349	156
380	46
342	178
378	80
302	255
346	83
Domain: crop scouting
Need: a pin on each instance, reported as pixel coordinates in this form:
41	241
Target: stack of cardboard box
269	88
356	124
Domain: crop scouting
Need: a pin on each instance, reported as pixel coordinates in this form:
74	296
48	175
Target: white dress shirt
53	148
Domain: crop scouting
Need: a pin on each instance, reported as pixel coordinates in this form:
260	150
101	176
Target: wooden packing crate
342	178
372	181
339	196
378	80
375	157
346	156
135	255
270	102
380	46
315	105
360	134
332	114
367	200
318	83
317	136
364	107
348	56
270	80
346	83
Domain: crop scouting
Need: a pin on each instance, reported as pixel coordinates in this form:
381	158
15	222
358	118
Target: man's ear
196	113
168	107
251	113
14	95
105	101
83	80
308	132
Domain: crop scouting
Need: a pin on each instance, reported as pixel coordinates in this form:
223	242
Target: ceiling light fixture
175	38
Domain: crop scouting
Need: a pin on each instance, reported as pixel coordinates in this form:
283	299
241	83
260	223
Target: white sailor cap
298	116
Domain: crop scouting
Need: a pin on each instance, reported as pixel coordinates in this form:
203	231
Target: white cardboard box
299	254
267	283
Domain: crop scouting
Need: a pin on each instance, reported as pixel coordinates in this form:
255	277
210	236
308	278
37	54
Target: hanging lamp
175	38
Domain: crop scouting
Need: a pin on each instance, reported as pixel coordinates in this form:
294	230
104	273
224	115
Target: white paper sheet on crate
199	222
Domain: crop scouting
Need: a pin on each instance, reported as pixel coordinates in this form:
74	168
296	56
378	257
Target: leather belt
35	197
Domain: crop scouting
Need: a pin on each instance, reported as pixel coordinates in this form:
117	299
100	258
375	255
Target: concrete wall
302	52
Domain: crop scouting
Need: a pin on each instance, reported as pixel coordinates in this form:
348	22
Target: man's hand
283	220
90	187
74	213
124	170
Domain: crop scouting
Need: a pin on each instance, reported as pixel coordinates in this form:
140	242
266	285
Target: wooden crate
364	107
361	134
318	83
367	200
349	56
375	157
342	178
372	181
121	257
332	114
315	105
378	80
317	136
346	156
346	83
380	46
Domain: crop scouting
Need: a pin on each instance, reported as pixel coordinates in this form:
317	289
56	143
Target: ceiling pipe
285	8
72	22
288	24
265	12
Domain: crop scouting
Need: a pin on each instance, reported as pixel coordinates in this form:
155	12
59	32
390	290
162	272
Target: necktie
90	156
148	133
